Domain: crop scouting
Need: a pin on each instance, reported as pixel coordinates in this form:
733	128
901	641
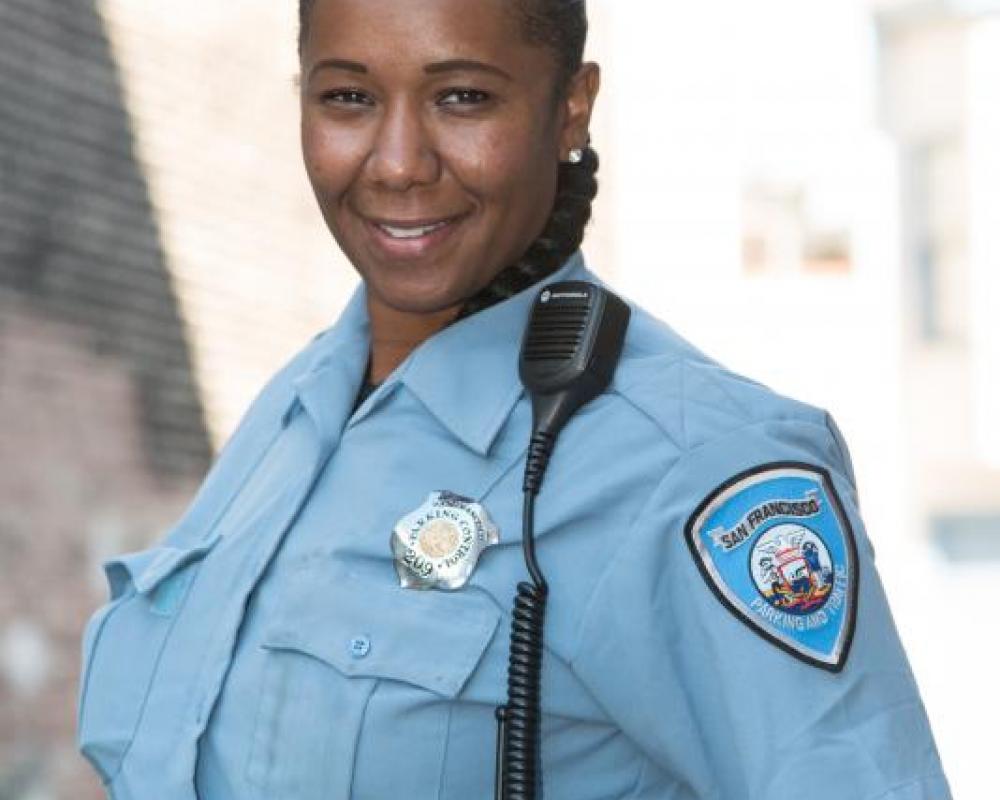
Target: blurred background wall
807	189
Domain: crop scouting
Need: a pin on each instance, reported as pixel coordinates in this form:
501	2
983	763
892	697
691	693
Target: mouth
412	238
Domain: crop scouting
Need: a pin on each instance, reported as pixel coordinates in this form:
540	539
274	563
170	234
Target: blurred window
973	538
939	240
785	231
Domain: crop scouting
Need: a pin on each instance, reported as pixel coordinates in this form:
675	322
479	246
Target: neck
395	334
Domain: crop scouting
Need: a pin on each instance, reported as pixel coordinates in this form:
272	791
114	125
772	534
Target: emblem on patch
776	547
438	545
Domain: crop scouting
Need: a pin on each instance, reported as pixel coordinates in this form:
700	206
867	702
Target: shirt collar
466	375
328	383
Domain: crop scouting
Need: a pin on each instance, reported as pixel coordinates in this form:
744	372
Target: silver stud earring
576	155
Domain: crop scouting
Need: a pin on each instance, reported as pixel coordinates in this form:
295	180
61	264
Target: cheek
502	164
332	154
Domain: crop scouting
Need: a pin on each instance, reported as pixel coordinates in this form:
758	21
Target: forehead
399	31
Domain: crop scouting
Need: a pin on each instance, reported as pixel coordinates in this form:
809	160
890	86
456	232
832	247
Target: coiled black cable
519	740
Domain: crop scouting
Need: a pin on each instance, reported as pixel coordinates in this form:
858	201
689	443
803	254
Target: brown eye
347	97
463	97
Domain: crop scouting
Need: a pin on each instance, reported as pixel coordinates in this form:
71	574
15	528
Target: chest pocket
359	683
122	644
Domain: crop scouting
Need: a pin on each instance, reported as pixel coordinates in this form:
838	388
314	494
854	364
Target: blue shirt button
360	646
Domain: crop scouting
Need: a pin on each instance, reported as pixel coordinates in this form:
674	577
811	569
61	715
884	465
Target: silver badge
438	545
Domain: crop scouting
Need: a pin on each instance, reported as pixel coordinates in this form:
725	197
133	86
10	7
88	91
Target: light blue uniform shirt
264	649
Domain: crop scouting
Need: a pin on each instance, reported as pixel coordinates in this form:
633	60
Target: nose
402	154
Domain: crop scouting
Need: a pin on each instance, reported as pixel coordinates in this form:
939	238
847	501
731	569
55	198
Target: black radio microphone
569	353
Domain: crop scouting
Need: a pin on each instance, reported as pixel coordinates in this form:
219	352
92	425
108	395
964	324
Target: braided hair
560	25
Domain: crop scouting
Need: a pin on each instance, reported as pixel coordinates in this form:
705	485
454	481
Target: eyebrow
437	68
339	63
466	65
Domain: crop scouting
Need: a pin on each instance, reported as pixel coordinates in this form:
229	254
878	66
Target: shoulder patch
776	547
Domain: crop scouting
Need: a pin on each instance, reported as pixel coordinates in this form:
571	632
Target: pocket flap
366	629
146	569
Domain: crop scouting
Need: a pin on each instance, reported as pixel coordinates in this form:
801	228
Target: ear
578	107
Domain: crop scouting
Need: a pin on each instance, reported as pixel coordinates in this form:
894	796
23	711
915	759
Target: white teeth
411	233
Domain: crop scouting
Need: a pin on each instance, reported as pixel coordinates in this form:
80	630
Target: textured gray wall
101	428
78	240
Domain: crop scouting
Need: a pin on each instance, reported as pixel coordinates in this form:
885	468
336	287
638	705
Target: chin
419	298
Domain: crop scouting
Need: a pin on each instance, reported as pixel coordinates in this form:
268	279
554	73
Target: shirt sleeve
722	710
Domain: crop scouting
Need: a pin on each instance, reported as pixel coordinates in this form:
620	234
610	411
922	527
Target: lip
417	246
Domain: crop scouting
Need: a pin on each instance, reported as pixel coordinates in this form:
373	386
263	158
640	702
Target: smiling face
432	133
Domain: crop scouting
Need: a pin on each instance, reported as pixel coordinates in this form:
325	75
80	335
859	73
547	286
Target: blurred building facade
940	102
940	88
159	257
103	425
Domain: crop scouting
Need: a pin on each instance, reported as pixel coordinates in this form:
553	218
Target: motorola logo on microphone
548	295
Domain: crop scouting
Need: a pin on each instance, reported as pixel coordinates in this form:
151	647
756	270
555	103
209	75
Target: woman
277	645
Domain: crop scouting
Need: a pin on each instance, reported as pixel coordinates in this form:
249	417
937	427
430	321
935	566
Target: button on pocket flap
363	629
146	569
